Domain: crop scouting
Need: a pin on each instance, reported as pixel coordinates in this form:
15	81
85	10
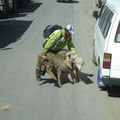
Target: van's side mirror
96	14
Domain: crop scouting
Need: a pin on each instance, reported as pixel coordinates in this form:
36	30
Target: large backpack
49	29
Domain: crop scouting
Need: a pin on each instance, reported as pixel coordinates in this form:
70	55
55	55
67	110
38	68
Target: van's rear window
117	36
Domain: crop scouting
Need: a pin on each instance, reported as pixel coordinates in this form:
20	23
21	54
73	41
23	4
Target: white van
106	45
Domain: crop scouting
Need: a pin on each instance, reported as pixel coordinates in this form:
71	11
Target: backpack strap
56	41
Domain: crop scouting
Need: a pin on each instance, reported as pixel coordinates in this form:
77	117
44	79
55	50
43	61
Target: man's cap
70	28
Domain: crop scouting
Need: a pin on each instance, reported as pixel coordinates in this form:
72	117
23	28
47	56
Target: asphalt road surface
24	98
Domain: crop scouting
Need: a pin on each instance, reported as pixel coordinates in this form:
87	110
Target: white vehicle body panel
107	44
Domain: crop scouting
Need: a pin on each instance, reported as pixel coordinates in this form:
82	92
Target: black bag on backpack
49	29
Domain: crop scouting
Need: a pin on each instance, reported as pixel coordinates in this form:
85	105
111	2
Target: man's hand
72	53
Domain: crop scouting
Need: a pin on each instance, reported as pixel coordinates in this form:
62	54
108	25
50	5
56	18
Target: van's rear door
115	51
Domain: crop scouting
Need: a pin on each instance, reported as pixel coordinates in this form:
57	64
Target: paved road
21	41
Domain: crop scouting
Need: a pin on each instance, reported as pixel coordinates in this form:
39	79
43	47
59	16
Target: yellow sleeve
51	40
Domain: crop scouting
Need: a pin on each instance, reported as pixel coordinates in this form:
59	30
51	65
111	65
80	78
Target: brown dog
55	65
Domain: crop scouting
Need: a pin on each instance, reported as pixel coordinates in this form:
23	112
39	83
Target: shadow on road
31	7
113	91
74	1
85	78
47	80
64	79
11	31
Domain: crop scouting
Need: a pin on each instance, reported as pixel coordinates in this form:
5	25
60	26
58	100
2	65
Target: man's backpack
49	29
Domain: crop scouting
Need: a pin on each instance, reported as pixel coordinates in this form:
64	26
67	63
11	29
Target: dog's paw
58	85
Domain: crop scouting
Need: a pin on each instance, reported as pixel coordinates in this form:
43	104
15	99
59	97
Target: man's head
69	29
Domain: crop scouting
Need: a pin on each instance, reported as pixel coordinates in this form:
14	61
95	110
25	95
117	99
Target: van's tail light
107	60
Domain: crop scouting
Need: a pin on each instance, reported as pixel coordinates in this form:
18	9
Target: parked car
99	3
11	6
64	0
7	6
106	44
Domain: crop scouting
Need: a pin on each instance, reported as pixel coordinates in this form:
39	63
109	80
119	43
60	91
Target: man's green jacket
57	41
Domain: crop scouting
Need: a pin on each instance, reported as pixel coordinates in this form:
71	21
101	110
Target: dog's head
75	59
79	63
41	65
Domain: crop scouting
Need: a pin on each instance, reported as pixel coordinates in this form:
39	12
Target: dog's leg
55	77
70	78
59	78
73	76
51	73
76	74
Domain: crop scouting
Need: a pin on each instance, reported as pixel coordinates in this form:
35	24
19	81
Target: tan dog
55	65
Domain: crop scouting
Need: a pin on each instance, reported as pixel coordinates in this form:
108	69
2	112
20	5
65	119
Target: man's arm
71	46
